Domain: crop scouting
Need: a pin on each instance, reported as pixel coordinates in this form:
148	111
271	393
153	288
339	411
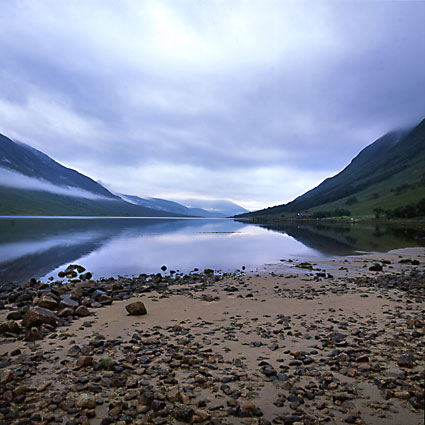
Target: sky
251	101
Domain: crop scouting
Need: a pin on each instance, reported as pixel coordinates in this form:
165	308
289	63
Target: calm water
41	247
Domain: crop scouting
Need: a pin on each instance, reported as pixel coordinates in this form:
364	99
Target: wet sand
294	343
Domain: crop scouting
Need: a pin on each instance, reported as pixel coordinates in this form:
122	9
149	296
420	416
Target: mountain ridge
32	183
26	160
393	160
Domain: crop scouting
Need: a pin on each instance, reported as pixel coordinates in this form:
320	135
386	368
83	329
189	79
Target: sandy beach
340	341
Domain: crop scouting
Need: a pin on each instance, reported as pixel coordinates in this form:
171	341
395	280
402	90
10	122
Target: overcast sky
253	101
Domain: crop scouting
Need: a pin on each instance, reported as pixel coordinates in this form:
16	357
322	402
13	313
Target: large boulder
136	309
36	316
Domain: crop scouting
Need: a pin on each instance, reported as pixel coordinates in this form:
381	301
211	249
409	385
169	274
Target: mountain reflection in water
39	247
333	239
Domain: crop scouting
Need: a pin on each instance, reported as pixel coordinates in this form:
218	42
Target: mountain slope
220	207
32	202
30	162
34	184
389	173
169	206
193	207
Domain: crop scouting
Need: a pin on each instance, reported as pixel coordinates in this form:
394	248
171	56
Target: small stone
84	361
405	361
115	411
14	315
352	419
183	413
86	276
33	334
136	309
351	372
105	299
10	327
203	415
363	358
82	311
173	395
376	268
269	371
47	302
80	269
66	312
404	395
86	401
6	376
68	303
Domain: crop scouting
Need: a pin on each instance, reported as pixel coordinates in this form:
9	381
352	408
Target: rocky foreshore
299	343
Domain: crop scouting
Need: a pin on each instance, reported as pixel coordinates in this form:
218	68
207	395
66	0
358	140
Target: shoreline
263	220
309	343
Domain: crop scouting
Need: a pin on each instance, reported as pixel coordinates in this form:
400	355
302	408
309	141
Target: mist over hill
32	183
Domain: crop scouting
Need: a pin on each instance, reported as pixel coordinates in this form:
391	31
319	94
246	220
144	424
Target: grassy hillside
383	180
29	202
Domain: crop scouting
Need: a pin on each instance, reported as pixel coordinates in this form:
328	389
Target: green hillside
27	161
30	202
386	179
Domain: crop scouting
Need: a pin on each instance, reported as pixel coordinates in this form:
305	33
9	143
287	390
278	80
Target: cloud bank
16	180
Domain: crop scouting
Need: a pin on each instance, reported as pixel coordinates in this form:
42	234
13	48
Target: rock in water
36	316
136	309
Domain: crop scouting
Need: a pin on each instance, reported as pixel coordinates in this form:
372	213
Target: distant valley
32	183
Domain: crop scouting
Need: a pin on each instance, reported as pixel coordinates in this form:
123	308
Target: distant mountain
191	207
32	183
220	207
388	174
168	206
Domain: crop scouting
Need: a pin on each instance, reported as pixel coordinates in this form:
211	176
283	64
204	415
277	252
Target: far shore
265	220
335	341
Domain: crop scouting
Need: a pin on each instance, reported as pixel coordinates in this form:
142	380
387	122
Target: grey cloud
245	85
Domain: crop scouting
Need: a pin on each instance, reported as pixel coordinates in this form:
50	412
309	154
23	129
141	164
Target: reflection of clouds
130	247
132	255
15	250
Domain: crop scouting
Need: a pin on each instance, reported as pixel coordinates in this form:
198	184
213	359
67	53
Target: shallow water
41	247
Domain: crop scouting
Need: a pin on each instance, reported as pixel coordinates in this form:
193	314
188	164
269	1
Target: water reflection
333	239
39	247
